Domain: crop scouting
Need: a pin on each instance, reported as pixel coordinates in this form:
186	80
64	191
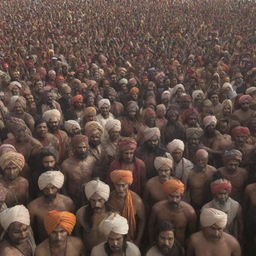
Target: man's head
210	123
121	179
232	159
52	118
201	159
165	237
77	101
48	160
104	107
151	138
240	135
212	222
72	127
97	192
149	117
132	109
176	149
80	146
89	114
174	190
113	128
127	147
41	128
244	102
221	189
163	167
193	136
94	132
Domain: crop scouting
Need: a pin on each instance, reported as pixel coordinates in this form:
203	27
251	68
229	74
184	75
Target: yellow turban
12	157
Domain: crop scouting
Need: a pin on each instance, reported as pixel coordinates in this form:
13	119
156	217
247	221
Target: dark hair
39	121
108	250
164	226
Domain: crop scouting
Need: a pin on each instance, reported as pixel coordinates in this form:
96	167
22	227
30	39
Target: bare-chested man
199	180
91	216
18	239
78	168
180	213
18	188
59	226
49	183
212	240
128	203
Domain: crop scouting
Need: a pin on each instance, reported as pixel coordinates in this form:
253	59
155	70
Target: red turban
121	175
189	112
244	98
77	98
240	130
66	220
134	90
221	184
127	143
77	139
173	186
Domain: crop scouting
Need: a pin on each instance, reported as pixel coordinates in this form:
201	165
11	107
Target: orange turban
90	110
134	90
221	184
173	186
121	175
66	220
77	98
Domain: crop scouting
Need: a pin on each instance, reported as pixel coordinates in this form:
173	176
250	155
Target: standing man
105	115
116	229
212	239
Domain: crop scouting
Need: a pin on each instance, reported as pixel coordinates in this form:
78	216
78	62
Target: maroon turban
76	140
240	130
127	143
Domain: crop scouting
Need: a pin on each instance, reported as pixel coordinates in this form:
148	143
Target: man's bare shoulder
136	199
187	207
76	242
250	188
152	181
230	240
7	250
160	205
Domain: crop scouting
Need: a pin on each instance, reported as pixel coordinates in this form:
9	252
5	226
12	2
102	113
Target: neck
58	244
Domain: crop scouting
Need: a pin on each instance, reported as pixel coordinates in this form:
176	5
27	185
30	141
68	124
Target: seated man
59	226
116	229
165	242
212	239
18	239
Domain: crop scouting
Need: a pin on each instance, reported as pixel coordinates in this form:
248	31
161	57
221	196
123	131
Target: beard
94	144
81	156
165	250
50	197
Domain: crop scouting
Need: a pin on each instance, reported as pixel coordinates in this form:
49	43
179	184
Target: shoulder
211	168
159	205
6	249
42	248
132	249
152	181
195	238
231	241
35	202
188	209
98	250
249	188
75	241
136	198
153	251
139	161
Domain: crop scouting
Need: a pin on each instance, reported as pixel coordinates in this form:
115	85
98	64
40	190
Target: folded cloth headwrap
176	87
19	99
97	186
3	193
90	111
56	178
77	139
92	126
15	124
134	90
250	90
4	148
127	143
71	124
225	103
132	105
66	220
115	223
148	113
244	98
219	185
188	113
166	95
240	130
14	84
163	162
52	113
12	157
103	102
123	81
232	154
77	98
175	144
196	93
18	213
160	107
121	175
211	216
113	124
173	186
194	133
208	120
149	133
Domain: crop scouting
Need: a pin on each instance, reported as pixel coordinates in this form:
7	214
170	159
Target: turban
232	154
133	81
56	178
227	103
134	90
227	85
4	148
163	162
188	113
173	186
244	98
176	87
19	99
148	113
90	111
220	184
12	157
173	108
196	93
160	107
3	192
194	132
175	144
92	126
66	220
18	213
115	223
166	95
240	130
211	216
114	124
250	90
123	81
103	102
53	113
127	143
15	124
149	133
97	186
51	73
77	139
121	175
77	98
71	124
132	105
15	83
208	120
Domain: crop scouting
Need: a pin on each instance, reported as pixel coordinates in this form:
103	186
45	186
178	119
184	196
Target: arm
240	225
190	248
140	211
236	250
151	223
191	222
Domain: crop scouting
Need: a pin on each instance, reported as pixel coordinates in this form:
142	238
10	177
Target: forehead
17	226
167	233
96	196
113	235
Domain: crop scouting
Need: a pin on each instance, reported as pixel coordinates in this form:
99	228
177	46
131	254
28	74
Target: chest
199	179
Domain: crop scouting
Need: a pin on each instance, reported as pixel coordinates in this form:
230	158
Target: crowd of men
127	128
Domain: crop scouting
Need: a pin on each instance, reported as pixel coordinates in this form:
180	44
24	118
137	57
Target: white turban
150	133
103	102
227	85
166	94
70	124
113	124
209	120
175	144
161	162
211	216
18	213
196	93
115	223
56	178
15	83
250	90
49	114
97	186
176	87
123	81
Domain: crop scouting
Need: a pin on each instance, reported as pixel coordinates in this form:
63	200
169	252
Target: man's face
41	129
11	172
15	91
127	156
177	155
53	124
192	120
58	236
240	139
97	203
172	115
165	242
150	121
232	165
21	135
131	113
48	162
185	103
214	232
227	110
153	143
115	242
174	199
50	192
75	131
193	142
104	110
222	196
210	128
18	109
121	188
81	150
164	174
94	139
214	99
49	97
201	161
18	233
245	105
90	117
114	135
